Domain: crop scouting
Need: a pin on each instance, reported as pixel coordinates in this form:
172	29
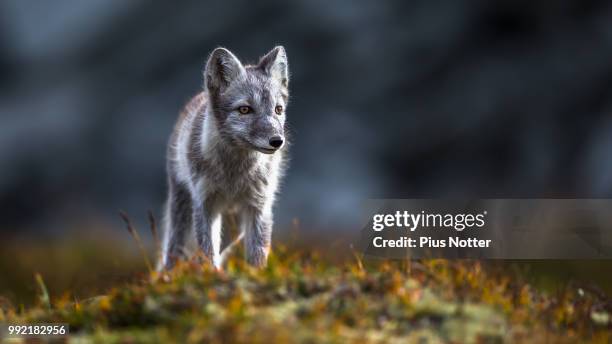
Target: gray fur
222	162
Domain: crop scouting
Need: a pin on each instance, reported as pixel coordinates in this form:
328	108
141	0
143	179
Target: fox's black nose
276	141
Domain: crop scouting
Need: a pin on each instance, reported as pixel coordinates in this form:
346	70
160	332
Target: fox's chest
240	182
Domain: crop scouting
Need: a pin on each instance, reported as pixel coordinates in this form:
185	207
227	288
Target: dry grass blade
45	300
357	258
136	237
154	233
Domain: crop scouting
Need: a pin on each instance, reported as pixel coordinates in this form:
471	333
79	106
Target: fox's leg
207	227
257	227
177	224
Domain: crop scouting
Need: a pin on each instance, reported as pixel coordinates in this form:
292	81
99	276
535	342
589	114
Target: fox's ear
275	64
221	69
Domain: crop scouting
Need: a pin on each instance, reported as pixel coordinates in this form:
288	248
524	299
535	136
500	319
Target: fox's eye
278	109
244	110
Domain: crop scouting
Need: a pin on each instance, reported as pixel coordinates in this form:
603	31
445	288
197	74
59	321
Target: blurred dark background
389	99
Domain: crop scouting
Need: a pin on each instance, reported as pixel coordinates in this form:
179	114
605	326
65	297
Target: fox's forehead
257	89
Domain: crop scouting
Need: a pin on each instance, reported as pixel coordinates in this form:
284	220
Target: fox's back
182	142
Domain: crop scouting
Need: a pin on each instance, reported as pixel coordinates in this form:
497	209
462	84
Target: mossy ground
300	297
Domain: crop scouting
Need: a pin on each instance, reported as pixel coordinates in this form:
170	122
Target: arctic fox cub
225	156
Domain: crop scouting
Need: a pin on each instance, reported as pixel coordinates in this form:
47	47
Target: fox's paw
258	256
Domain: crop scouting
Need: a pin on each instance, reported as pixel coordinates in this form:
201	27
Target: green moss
305	299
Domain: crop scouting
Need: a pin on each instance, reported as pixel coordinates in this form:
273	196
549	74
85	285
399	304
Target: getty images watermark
422	221
489	229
